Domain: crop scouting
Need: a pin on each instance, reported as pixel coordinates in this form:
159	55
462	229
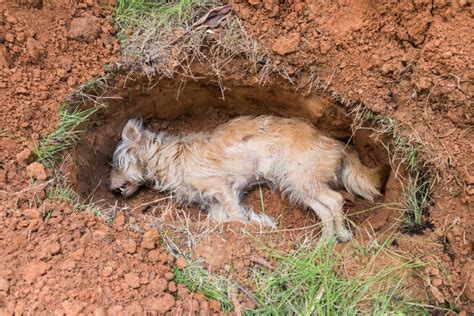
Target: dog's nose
116	191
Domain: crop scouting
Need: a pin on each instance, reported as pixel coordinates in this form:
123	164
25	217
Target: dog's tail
357	178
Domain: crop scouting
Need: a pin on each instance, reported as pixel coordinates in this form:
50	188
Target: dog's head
128	167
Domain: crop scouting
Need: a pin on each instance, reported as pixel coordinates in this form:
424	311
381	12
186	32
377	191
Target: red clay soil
411	60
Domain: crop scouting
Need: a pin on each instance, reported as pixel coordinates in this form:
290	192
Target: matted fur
215	169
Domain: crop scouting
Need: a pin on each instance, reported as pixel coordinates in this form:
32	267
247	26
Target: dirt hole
200	106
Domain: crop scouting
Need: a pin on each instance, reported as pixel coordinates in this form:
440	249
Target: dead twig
262	262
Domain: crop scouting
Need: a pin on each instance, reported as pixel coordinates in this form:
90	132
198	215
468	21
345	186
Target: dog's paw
263	219
344	235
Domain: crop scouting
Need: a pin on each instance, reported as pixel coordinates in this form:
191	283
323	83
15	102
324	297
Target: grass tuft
135	13
50	147
199	280
415	203
311	282
71	115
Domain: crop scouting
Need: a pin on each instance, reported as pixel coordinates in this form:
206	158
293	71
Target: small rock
181	263
130	246
35	50
36	171
4	285
34	270
149	239
132	280
161	304
287	44
85	29
24	157
467	275
4	57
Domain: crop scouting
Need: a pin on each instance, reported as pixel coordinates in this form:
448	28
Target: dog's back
274	147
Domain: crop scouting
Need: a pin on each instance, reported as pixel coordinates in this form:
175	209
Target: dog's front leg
227	207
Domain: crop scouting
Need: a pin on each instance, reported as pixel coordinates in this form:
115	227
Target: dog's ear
132	131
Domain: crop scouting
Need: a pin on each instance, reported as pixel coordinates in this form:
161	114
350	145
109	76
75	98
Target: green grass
417	186
136	13
50	147
312	282
71	115
415	201
199	280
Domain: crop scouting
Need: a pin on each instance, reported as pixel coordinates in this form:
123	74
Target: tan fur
215	169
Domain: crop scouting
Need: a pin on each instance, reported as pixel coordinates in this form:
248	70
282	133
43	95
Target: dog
216	168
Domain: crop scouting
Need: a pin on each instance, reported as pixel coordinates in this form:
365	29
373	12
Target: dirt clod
34	269
149	239
181	263
35	50
36	171
84	29
130	246
161	304
24	157
286	44
132	280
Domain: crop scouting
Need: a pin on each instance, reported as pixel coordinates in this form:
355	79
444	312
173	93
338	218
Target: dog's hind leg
324	214
334	202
